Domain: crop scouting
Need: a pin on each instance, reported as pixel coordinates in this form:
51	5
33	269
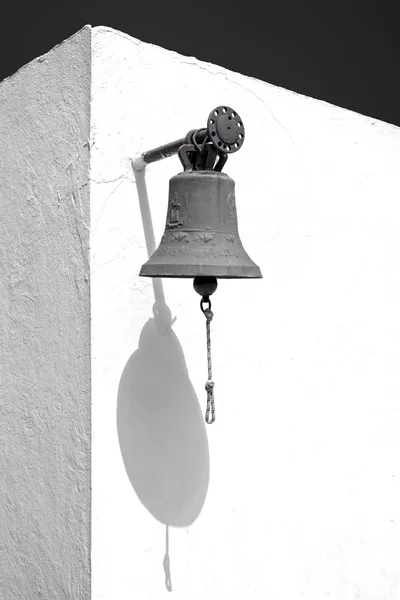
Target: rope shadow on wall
160	424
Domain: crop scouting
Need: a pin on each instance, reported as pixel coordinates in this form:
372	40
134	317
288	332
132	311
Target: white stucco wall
294	491
45	327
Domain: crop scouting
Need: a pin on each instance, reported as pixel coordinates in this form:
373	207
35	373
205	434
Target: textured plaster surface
45	327
295	490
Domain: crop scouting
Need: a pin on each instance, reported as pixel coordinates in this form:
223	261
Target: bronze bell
201	237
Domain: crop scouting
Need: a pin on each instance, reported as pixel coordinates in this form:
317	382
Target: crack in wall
224	75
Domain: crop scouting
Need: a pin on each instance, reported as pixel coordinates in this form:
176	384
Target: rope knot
209	385
208	314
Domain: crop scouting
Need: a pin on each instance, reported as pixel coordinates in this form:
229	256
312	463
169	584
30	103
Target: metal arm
172	147
224	131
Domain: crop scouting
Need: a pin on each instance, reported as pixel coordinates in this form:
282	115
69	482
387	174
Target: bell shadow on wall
160	424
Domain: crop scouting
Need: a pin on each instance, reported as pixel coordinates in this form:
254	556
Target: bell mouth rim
254	274
194	276
190	271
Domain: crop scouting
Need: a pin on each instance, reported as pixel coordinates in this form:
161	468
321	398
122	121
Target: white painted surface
45	327
303	497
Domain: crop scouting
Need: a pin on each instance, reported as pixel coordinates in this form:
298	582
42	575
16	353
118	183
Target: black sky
344	52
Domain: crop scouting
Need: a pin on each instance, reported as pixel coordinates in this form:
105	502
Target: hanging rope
210	412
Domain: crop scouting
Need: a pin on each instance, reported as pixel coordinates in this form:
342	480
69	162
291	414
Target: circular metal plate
225	129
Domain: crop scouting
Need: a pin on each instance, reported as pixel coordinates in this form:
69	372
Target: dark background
344	52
